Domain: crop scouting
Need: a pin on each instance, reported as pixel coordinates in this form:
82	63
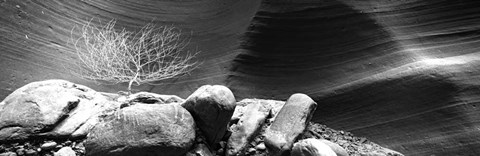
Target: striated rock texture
36	37
423	107
404	73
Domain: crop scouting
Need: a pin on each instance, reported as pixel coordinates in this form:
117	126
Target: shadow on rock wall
309	46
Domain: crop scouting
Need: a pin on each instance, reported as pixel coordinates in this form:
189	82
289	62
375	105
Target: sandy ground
403	73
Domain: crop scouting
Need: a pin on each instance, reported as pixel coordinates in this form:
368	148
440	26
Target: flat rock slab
143	130
247	127
290	122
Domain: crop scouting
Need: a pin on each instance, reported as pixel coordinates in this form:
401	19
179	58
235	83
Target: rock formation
51	108
146	124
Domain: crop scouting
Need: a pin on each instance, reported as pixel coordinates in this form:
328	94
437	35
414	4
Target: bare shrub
146	56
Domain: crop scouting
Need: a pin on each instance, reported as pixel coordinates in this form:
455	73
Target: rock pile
60	118
59	147
340	140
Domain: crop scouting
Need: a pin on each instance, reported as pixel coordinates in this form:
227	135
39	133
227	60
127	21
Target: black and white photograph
239	77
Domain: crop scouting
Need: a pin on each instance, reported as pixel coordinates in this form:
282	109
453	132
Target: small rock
222	144
8	154
67	143
58	146
341	142
212	108
65	151
368	146
31	152
20	151
260	146
48	145
362	140
220	151
79	146
251	150
199	139
258	139
311	147
349	138
200	150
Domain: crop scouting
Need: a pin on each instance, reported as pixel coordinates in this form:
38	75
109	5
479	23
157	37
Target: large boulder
311	147
247	127
54	108
212	107
143	129
290	122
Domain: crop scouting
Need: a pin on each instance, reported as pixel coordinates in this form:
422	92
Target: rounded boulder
142	130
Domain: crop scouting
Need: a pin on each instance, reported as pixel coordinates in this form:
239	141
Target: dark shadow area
306	47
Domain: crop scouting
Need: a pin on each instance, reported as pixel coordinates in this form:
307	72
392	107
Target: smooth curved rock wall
36	37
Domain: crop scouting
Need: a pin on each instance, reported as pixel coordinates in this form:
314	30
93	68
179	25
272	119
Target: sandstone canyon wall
403	73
